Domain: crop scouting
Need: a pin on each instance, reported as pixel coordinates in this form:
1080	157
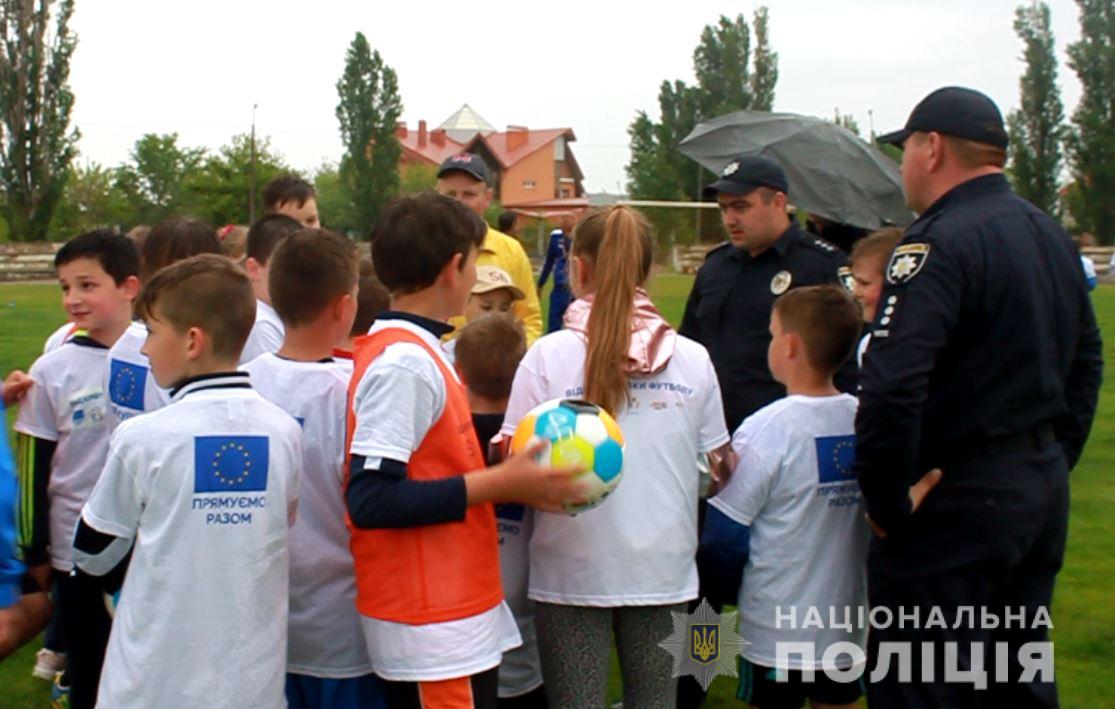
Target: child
792	512
63	437
294	197
202	492
263	237
428	591
371	300
313	287
488	352
869	261
493	293
131	387
617	351
557	262
234	241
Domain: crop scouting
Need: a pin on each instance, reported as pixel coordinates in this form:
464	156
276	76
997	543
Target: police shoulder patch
906	262
844	273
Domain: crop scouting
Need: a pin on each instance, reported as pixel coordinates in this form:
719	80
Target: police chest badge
905	263
780	283
844	273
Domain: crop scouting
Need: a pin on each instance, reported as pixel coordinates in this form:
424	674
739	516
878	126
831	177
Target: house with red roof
534	170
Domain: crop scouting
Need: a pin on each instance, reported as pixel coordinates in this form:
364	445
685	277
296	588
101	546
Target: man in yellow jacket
464	177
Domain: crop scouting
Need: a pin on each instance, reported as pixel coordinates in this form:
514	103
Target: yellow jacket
506	252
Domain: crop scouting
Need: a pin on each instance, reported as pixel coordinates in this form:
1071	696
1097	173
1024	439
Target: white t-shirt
794	487
325	636
67	404
397	401
639	546
58	337
521	669
128	380
207	488
266	335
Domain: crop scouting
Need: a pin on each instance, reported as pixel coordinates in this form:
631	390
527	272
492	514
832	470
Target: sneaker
47	664
59	694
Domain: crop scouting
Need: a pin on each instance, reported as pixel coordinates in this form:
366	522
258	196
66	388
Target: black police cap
467	163
747	173
956	111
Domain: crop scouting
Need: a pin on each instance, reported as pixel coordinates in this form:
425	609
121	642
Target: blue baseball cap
745	174
467	163
955	111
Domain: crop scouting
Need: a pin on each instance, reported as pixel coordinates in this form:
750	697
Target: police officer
984	364
766	255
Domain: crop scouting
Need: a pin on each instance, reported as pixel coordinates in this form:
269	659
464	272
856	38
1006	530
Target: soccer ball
578	433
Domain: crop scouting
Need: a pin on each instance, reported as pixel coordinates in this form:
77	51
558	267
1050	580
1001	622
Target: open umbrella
832	172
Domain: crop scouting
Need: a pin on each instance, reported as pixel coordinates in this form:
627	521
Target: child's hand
521	479
15	387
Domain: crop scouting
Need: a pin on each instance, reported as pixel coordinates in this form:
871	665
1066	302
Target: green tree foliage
1035	128
845	120
333	204
765	75
155	179
416	178
1091	141
216	191
729	77
36	142
91	200
368	112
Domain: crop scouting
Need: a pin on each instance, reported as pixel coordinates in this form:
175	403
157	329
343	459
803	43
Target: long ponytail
617	240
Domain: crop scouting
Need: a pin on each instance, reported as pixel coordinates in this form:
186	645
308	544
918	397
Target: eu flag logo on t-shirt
835	456
126	382
230	463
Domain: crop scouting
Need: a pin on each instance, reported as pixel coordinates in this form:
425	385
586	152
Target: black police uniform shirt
729	308
984	331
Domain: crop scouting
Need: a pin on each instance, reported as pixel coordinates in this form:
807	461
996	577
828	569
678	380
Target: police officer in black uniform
766	254
984	363
729	308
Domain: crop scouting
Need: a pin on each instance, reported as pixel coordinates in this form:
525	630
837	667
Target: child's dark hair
488	352
309	270
206	291
175	239
507	221
115	252
371	300
287	188
418	236
617	240
266	233
828	321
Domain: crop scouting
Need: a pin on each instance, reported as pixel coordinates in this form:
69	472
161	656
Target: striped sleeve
33	458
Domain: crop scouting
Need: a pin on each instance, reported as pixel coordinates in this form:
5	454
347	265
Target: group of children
314	505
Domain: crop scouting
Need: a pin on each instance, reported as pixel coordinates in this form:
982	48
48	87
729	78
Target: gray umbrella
832	172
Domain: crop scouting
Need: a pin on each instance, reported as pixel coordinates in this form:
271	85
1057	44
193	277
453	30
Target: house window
529	184
565	193
559	149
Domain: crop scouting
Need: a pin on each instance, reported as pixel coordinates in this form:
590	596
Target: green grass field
1083	612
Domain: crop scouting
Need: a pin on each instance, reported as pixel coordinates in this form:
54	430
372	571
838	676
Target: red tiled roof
535	139
431	151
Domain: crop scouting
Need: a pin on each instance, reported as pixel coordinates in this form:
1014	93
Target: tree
217	191
1091	143
35	103
91	200
1035	128
333	203
155	179
724	83
368	112
845	120
765	75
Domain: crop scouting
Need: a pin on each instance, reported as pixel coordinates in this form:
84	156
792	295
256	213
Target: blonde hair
618	242
877	246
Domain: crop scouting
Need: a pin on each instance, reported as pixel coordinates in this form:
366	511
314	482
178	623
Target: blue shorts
305	692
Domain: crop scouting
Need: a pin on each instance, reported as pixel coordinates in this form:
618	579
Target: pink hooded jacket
652	338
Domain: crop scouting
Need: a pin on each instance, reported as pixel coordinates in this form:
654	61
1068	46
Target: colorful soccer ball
578	433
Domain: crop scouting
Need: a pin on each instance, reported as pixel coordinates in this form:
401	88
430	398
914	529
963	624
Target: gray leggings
575	642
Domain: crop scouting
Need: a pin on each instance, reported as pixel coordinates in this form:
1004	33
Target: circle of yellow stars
245	460
836	450
125	383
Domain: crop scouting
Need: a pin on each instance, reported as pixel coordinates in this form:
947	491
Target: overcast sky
197	67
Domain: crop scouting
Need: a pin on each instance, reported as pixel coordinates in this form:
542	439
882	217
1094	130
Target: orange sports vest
438	572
